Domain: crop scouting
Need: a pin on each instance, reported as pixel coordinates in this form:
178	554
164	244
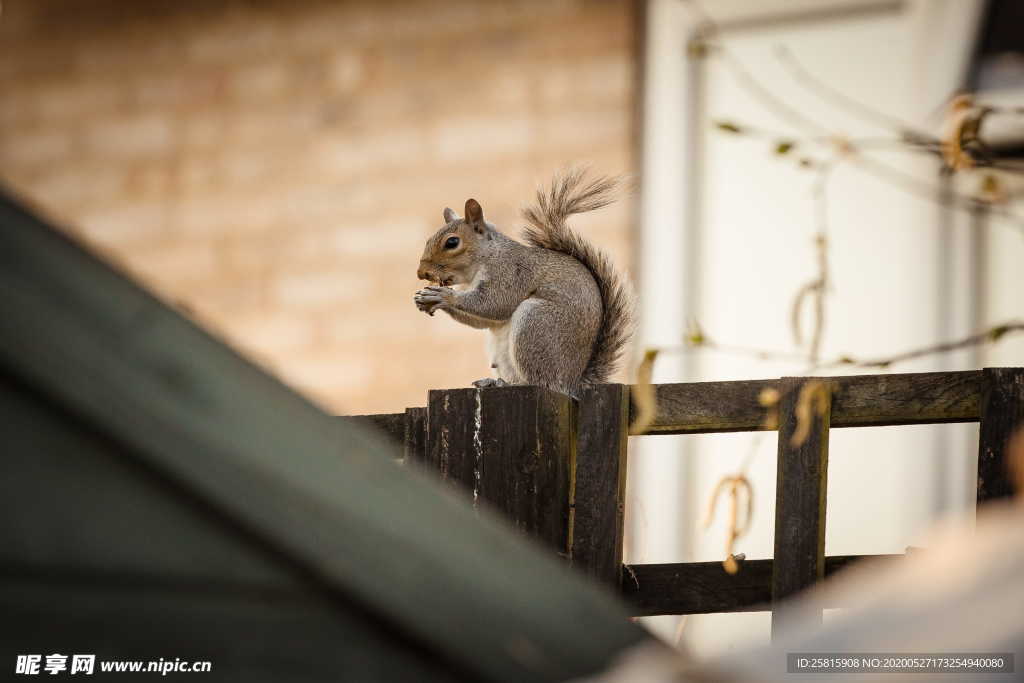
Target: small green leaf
697	48
996	333
784	147
728	127
695	335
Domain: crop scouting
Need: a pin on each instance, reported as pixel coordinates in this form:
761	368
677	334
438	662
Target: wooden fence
557	467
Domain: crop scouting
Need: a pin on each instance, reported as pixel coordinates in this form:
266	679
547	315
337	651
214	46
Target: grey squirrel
558	313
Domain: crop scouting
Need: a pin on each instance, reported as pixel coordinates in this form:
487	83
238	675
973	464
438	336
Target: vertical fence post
1002	411
600	482
801	484
514	448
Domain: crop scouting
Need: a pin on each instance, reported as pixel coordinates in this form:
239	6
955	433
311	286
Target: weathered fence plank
858	401
415	441
1002	412
705	588
392	424
528	435
451	452
801	484
600	482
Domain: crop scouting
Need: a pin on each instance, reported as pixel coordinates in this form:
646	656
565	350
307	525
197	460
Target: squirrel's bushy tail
571	193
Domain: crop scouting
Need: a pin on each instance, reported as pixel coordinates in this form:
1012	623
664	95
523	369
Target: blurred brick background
274	167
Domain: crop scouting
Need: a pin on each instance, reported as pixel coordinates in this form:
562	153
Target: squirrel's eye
451	242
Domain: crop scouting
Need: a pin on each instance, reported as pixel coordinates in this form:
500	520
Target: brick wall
274	167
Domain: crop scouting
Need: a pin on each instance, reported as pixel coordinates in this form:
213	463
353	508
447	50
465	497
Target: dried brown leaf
813	402
741	483
709	514
769	400
960	128
991	190
797	309
735	485
643	394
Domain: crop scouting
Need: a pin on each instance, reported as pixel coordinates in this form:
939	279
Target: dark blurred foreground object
164	498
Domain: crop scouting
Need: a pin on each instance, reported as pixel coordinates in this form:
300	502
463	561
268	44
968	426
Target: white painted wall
734	260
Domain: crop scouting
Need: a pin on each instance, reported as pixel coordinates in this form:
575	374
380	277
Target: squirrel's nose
422	273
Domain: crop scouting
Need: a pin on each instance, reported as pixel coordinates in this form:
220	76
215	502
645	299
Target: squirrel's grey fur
558	313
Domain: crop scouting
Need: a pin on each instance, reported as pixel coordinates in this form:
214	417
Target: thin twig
736	350
989	336
903	181
777	105
734	484
708	29
913	185
838	98
821	245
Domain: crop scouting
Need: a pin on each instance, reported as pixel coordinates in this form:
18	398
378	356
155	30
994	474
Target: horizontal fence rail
705	588
858	401
510	436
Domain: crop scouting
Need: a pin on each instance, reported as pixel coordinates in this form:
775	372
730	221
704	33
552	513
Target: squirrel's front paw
430	299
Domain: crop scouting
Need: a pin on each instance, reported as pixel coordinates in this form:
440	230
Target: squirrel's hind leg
546	348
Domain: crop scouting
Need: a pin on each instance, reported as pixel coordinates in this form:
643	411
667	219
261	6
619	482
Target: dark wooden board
528	435
1002	413
858	401
800	486
511	448
451	452
903	399
600	482
415	442
705	587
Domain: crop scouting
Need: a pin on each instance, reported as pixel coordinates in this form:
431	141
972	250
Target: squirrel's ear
450	215
475	215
